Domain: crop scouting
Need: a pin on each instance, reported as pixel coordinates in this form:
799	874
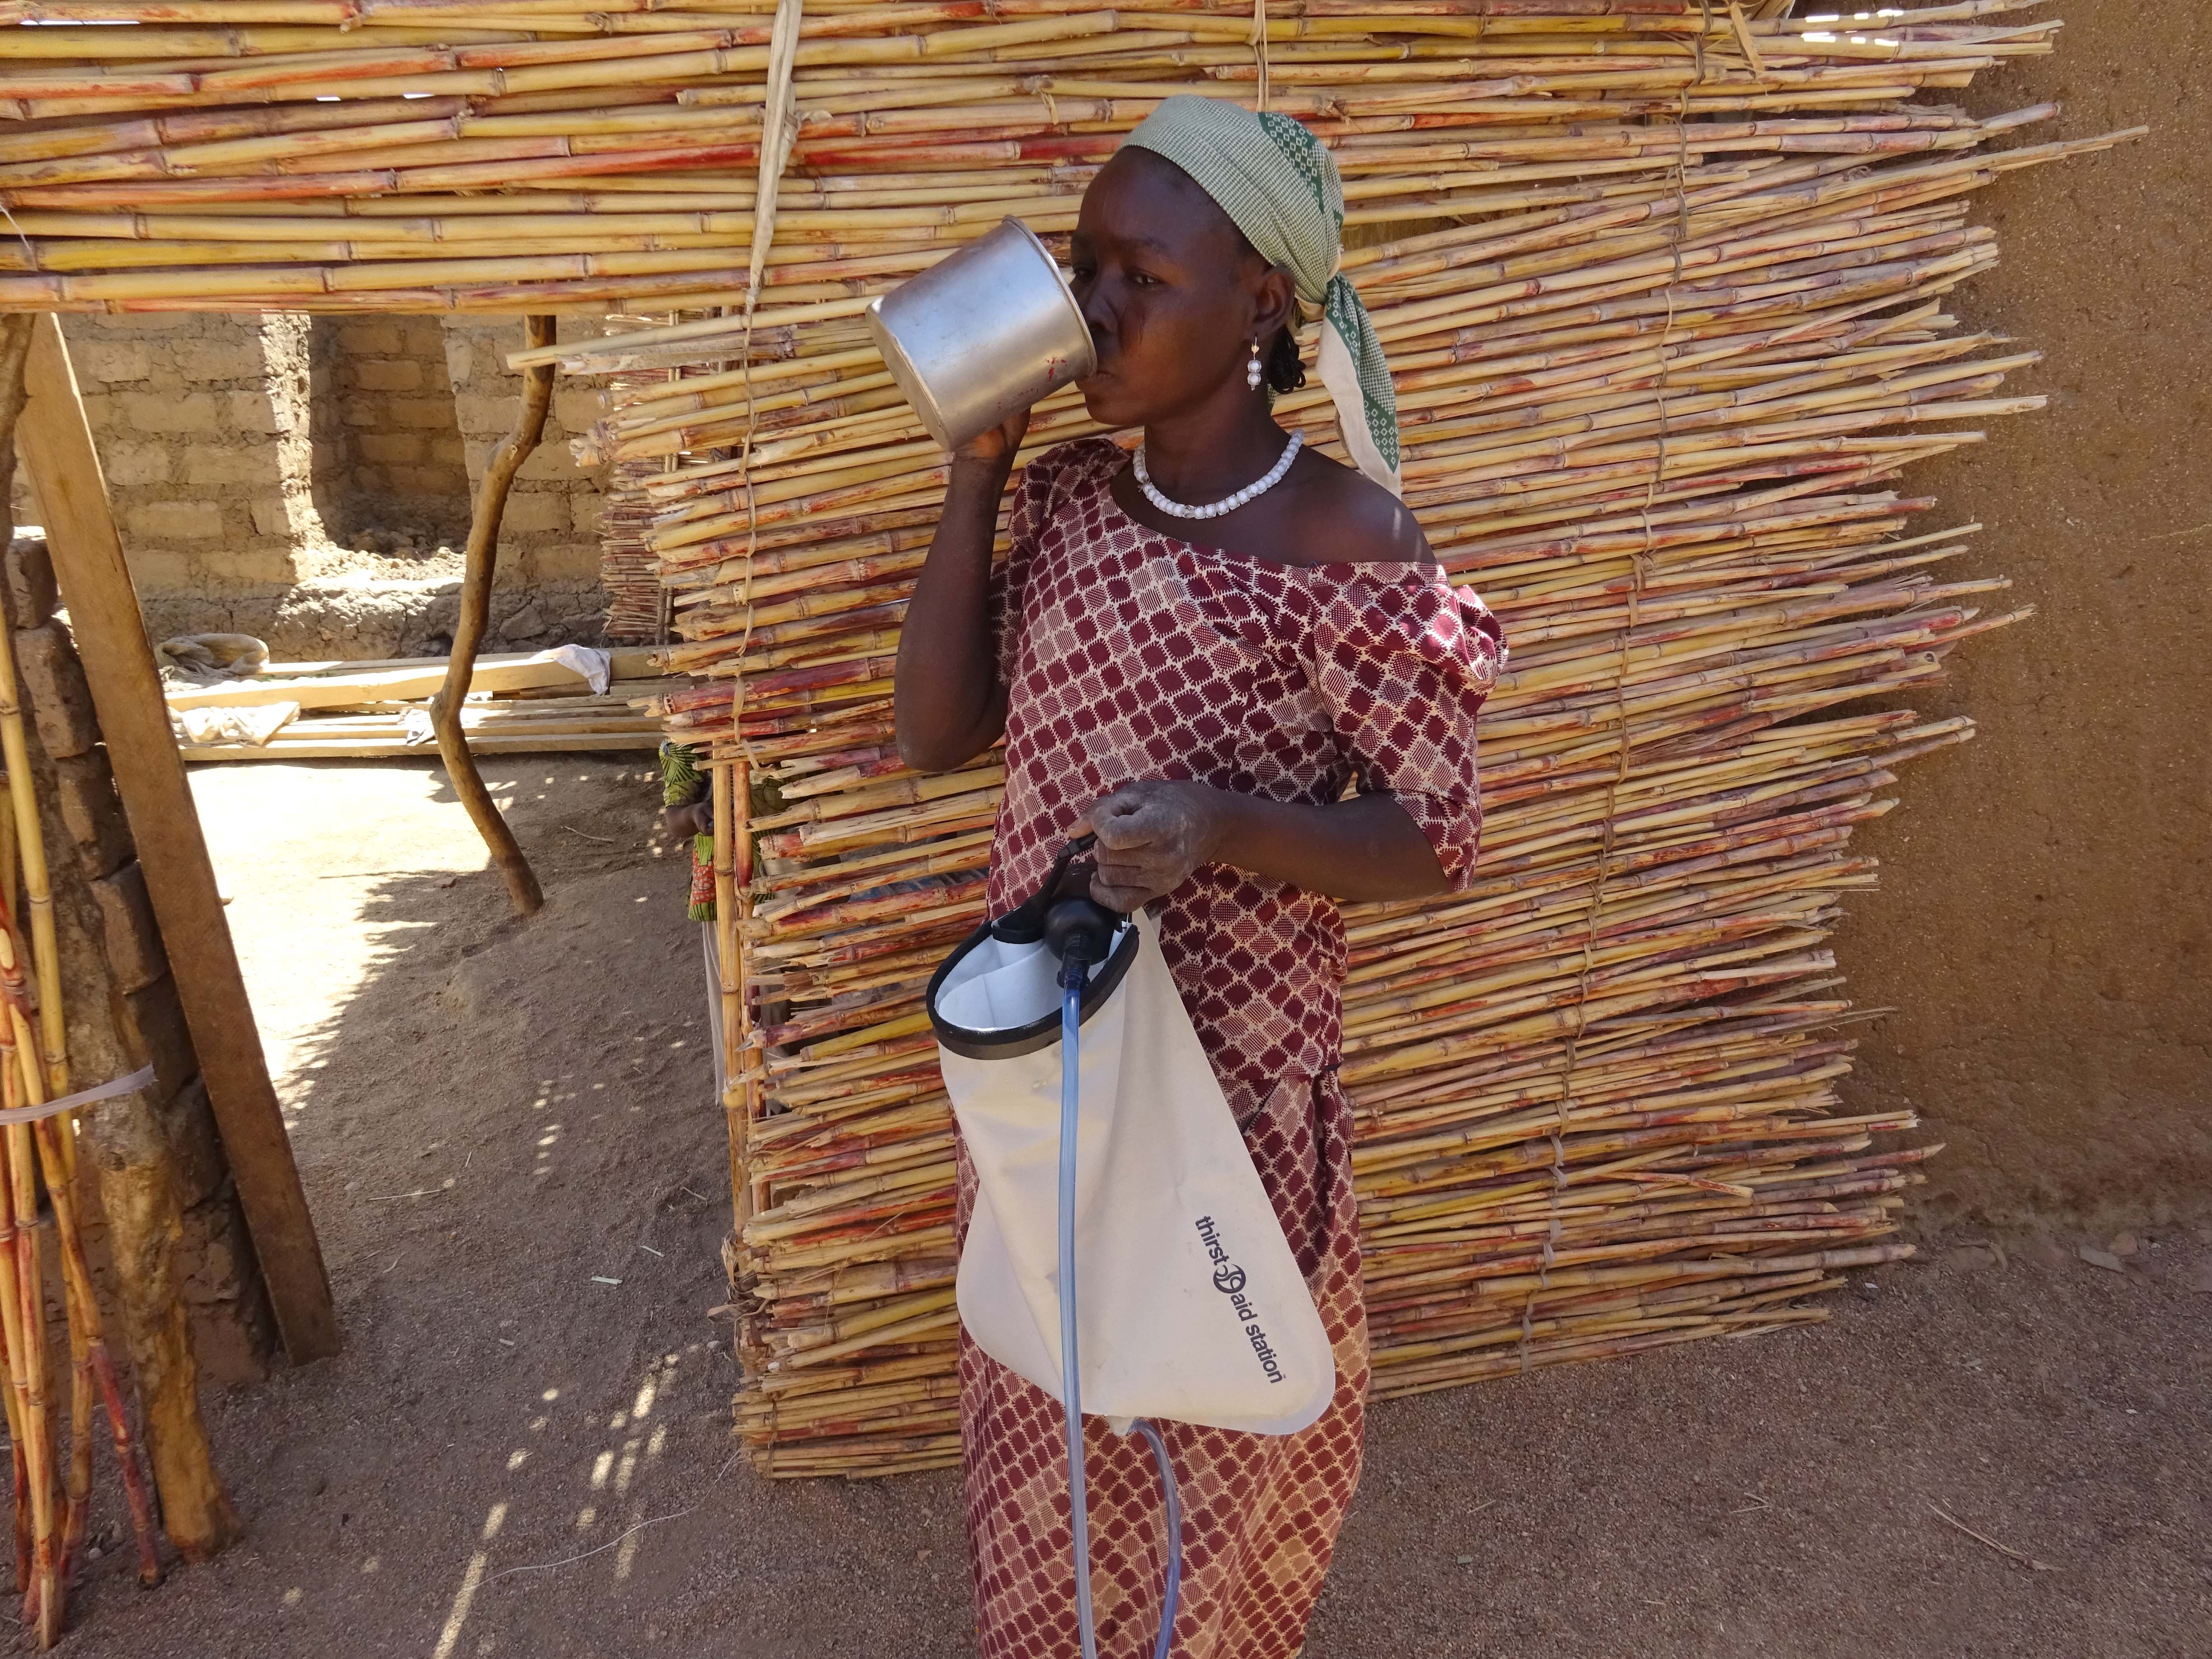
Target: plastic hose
1071	1071
1071	1384
1173	1594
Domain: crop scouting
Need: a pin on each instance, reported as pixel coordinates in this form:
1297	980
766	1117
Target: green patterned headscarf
1272	178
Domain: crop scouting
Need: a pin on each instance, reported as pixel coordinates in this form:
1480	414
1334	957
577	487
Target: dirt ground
509	1142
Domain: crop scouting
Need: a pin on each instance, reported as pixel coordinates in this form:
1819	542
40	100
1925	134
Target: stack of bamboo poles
1657	367
1663	285
38	1190
523	724
432	155
629	568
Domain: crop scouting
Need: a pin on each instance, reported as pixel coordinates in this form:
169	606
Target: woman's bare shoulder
1335	514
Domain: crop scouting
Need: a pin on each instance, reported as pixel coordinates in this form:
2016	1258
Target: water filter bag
1189	1304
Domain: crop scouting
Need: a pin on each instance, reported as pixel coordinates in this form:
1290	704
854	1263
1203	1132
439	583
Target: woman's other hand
1151	836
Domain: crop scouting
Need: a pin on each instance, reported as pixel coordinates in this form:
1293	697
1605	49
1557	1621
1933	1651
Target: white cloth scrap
596	667
247	725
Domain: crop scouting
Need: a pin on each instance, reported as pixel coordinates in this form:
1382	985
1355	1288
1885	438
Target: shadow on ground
509	1140
496	1118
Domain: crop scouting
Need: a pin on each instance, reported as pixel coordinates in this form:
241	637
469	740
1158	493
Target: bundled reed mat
518	703
1664	285
489	155
629	570
1664	288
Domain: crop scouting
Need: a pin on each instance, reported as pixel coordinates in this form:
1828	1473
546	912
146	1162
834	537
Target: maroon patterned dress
1128	654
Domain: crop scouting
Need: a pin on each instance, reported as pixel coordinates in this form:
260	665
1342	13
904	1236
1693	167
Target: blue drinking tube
1073	979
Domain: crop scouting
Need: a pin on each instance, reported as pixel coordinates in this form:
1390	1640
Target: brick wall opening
307	479
388	472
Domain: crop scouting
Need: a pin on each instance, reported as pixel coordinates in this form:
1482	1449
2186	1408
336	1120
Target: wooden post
482	560
731	1032
137	1196
56	443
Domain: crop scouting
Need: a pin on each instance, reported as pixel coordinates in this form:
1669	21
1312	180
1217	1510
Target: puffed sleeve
1403	668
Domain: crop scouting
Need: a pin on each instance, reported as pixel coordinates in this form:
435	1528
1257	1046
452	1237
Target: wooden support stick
483	559
137	1189
57	446
736	1002
734	876
14	349
732	789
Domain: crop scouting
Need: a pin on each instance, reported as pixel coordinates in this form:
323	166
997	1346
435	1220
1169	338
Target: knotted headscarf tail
1280	187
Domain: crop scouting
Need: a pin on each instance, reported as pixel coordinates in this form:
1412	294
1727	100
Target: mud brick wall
182	408
388	472
308	479
124	1013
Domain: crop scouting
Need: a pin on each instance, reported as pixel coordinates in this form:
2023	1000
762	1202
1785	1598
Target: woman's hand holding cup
992	450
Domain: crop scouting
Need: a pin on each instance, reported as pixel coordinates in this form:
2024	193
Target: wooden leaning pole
56	443
481	562
130	1166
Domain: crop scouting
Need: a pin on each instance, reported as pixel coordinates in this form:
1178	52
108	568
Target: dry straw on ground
1664	285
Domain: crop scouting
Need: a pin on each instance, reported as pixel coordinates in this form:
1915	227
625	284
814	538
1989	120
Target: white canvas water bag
1190	1306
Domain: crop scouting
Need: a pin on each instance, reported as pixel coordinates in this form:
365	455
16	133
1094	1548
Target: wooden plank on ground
379	685
396	748
56	443
629	662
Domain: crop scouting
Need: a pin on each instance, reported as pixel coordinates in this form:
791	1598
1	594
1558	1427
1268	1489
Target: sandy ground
508	1135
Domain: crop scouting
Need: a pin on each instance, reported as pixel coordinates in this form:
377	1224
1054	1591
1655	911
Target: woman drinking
1235	662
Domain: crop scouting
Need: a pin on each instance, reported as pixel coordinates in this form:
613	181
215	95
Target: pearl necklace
1259	486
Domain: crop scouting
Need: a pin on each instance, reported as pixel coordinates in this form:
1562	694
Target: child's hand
697	819
1151	836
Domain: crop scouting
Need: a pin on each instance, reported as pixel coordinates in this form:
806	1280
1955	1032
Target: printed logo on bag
1229	1278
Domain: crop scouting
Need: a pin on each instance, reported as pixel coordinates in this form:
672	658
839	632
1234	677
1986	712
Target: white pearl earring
1252	368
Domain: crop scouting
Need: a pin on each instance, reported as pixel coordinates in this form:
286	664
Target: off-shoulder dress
1130	654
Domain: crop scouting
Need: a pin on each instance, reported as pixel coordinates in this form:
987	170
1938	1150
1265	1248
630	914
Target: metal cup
983	334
